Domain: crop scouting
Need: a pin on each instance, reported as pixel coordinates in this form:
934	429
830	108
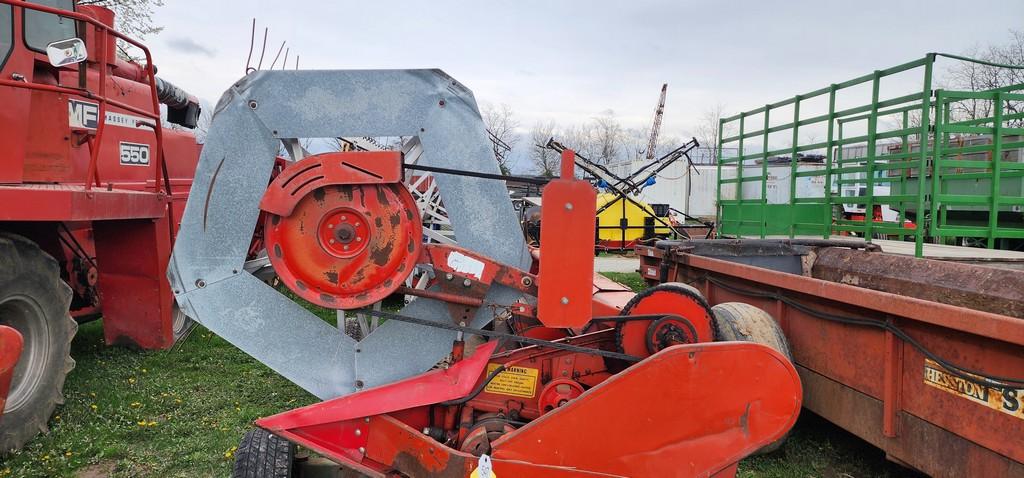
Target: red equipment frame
10	350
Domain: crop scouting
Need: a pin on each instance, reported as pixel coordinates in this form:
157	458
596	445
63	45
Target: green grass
170	414
628	279
817	448
181	413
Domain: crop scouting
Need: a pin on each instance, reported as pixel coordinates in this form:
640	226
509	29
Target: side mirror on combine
66	52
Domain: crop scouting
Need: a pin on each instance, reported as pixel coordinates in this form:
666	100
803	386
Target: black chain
518	338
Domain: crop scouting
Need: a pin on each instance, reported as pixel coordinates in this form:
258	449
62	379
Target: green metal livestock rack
949	161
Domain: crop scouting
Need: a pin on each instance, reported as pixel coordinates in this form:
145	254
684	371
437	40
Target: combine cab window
41	29
6	40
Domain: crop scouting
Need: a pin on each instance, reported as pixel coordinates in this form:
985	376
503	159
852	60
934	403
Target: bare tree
502	124
635	142
608	137
134	17
202	128
545	160
973	76
707	129
579	138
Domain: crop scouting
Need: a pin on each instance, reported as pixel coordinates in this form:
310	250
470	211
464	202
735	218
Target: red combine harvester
507	363
92	187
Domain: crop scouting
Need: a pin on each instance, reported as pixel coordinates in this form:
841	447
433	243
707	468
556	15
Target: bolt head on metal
449	276
200	283
565	300
467	282
253	104
568	206
358	432
362	450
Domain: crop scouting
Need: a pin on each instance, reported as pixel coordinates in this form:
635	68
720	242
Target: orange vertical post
565	279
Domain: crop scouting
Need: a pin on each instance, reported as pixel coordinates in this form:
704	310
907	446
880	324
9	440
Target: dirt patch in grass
99	470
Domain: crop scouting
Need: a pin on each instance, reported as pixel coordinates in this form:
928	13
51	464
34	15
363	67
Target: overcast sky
570	60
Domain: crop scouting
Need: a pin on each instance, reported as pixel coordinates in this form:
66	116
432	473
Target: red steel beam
51	202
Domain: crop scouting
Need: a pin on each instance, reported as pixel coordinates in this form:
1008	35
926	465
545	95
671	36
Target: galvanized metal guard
251	120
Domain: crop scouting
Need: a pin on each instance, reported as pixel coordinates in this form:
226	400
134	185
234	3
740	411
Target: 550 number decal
134	154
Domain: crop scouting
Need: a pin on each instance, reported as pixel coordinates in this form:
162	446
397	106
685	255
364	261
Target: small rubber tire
262	454
739	322
181	324
34	301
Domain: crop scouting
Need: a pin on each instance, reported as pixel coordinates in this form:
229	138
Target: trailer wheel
736	321
262	454
34	300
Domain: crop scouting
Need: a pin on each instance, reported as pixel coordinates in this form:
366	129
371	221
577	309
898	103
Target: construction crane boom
656	127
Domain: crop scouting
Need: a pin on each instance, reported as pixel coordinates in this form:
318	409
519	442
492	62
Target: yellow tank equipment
621	222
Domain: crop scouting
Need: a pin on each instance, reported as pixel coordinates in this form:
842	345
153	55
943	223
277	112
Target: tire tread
262	454
24	264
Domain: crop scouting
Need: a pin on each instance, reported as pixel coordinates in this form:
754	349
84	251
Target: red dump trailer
921	358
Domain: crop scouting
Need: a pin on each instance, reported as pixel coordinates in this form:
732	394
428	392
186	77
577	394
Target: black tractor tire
262	454
739	322
34	301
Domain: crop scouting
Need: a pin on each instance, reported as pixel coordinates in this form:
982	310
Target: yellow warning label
1009	401
515	381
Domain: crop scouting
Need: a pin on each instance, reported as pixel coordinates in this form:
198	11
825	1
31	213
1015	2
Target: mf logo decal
1007	400
86	115
82	114
133	154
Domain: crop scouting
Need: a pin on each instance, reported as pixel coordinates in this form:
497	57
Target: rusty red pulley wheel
346	246
670	299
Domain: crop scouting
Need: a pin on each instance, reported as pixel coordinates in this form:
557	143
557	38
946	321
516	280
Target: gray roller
249	123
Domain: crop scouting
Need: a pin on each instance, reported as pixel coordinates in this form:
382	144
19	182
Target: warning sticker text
515	381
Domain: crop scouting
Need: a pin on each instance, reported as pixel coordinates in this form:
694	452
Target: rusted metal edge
985	324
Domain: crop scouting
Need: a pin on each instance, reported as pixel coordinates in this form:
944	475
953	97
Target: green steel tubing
938	157
793	164
764	175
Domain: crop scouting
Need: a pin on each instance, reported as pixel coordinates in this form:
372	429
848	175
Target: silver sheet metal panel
249	123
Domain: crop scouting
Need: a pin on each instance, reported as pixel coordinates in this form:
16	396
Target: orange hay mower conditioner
502	362
593	381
